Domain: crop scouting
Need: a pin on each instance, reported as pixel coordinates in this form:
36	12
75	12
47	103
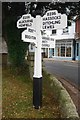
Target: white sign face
47	42
54	20
25	21
29	35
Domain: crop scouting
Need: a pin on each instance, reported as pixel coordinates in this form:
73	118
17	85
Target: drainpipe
74	49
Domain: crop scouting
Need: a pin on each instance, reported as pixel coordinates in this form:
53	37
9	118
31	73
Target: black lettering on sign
24	25
51	22
30	20
50	26
26	17
30	37
26	21
45	45
51	13
31	30
51	18
44	41
45	38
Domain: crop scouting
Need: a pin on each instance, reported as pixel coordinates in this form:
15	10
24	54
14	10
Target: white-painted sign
29	35
47	42
25	21
54	20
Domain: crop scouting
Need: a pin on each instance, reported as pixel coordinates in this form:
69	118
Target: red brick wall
78	27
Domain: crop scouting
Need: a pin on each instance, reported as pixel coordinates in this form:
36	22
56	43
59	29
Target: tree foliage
16	47
71	9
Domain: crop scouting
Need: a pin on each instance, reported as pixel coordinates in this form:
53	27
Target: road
66	70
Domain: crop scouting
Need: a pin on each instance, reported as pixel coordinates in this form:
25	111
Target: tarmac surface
64	69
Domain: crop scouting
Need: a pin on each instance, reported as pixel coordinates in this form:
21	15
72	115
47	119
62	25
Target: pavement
73	92
72	61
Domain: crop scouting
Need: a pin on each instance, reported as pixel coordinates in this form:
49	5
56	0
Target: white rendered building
63	44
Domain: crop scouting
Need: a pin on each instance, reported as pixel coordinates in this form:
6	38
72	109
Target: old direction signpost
51	20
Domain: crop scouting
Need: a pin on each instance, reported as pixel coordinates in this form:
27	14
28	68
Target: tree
16	48
71	9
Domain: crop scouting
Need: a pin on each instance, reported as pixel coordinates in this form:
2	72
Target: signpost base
37	92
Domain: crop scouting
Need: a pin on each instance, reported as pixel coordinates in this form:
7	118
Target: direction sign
54	20
29	35
48	42
25	21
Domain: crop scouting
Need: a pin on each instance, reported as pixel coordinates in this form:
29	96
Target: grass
17	96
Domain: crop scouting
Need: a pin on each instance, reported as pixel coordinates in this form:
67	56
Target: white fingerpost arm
38	57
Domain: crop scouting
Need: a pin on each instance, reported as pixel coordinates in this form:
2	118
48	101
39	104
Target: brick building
77	38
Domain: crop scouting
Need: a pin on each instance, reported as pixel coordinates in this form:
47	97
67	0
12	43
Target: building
77	38
64	40
64	44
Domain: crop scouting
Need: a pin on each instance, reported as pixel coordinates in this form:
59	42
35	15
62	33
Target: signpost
51	20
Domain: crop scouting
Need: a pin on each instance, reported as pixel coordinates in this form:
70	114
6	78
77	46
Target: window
77	48
53	31
58	53
62	50
68	51
65	30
